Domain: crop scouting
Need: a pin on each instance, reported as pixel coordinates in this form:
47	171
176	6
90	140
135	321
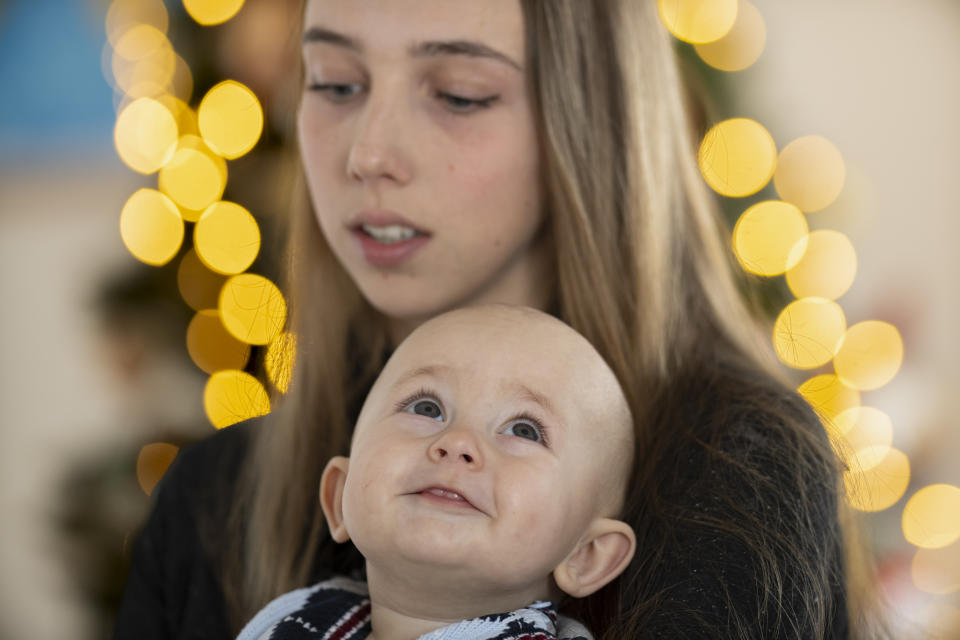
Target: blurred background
830	134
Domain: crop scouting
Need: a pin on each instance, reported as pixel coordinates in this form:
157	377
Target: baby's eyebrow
426	49
428	371
526	393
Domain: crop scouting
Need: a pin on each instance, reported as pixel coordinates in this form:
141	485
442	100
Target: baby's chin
470	583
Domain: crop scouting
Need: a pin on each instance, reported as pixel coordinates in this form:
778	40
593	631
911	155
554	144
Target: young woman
533	152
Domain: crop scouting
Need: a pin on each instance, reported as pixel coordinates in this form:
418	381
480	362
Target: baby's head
491	457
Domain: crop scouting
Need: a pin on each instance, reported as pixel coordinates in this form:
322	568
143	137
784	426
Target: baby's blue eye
426	408
525	430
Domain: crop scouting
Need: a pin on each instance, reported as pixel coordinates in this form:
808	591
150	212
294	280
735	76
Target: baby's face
489	443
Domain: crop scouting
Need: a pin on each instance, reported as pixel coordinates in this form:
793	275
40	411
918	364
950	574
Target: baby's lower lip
446	497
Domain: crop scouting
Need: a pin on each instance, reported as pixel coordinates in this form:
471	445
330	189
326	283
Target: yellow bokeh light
181	84
152	462
230	119
211	12
881	484
143	58
810	173
931	518
281	356
807	332
126	14
826	268
199	286
151	227
192	179
252	308
737	157
186	119
145	135
770	237
227	238
869	355
196	143
698	21
210	345
828	395
862	431
937	571
233	396
741	46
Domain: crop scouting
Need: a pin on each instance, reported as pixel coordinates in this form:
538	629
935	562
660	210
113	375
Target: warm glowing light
192	179
770	237
281	355
151	227
937	570
210	345
231	119
827	267
210	12
181	84
869	355
698	20
199	286
145	135
828	395
152	462
185	116
807	332
227	238
252	308
737	157
126	14
233	396
880	485
143	62
741	46
931	518
810	173
196	143
859	431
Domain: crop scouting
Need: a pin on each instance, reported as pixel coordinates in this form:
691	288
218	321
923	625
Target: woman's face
420	152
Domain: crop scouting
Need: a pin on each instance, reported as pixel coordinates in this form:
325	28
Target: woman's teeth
390	234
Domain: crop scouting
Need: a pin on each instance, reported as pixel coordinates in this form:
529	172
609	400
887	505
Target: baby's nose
456	445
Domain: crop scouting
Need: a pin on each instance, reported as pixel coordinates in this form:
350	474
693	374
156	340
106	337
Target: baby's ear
602	554
331	497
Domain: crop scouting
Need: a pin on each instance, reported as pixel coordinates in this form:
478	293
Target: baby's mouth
391	233
448	497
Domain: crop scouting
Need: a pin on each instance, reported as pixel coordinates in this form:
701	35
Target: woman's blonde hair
641	269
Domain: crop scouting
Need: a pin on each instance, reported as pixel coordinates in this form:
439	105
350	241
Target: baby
487	469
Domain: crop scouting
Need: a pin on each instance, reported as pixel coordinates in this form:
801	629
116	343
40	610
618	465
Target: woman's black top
173	590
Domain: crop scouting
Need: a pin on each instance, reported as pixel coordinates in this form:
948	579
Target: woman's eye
337	92
526	430
426	408
460	104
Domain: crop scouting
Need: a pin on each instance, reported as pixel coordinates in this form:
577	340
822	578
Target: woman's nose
458	446
379	150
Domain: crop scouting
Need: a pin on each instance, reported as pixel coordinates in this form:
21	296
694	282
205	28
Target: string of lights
738	157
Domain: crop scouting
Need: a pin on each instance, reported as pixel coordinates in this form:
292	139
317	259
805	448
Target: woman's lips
387	253
386	238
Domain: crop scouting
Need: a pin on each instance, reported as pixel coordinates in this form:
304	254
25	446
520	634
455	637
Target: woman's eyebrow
433	48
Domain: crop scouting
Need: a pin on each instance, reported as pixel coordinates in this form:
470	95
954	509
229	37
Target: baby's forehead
524	348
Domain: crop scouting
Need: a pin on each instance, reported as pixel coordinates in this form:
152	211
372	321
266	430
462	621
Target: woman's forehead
404	24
